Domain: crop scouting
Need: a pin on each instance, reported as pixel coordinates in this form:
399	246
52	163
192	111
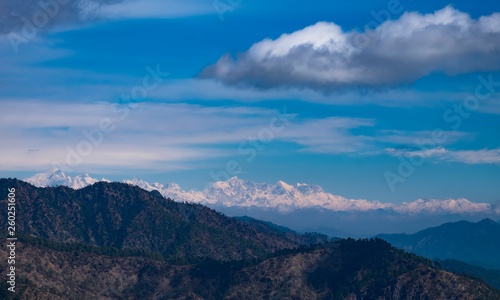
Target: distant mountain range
58	178
281	196
473	243
119	241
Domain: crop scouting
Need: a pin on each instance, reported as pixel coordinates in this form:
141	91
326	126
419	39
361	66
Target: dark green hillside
347	269
124	216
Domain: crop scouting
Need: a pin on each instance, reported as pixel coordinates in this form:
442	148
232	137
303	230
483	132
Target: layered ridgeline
474	243
304	207
491	276
114	240
346	269
125	216
236	192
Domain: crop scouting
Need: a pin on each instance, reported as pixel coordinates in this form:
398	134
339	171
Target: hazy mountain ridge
268	227
281	196
473	243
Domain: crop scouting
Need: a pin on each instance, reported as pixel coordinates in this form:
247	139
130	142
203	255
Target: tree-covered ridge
346	269
124	216
490	276
113	240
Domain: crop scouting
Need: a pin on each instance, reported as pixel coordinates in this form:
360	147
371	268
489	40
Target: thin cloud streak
481	156
156	134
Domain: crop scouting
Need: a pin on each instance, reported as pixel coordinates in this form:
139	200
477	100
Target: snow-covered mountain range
56	177
236	192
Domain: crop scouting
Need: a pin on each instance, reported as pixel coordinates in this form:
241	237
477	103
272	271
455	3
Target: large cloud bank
324	57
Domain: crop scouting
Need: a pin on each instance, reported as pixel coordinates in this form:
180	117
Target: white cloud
189	89
482	156
166	136
154	136
60	83
330	135
409	138
324	57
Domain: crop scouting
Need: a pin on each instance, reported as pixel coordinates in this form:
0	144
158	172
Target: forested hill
117	241
346	269
125	216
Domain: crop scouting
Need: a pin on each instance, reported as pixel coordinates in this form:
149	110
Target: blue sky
242	100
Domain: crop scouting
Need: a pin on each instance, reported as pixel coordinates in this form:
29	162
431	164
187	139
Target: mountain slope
474	243
492	277
147	247
346	269
270	228
364	269
124	216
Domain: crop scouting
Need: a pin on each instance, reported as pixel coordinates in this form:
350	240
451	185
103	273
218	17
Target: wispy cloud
324	57
331	135
156	135
188	89
410	138
24	20
22	14
152	136
169	135
482	156
157	9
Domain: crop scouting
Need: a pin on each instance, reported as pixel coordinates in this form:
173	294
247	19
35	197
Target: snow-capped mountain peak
56	177
82	181
237	192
